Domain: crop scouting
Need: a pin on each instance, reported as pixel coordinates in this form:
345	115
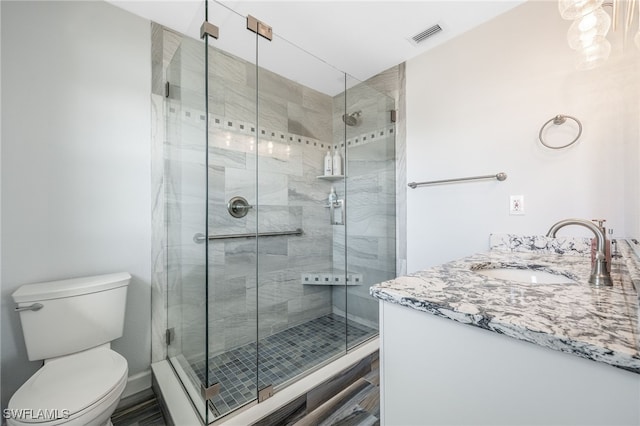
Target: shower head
351	119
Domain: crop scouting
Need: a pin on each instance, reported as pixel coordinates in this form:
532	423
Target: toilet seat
82	383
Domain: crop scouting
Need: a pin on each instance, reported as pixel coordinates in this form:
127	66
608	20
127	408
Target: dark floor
356	405
142	409
282	356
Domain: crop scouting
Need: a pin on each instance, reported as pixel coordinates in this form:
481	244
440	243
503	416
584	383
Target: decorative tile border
242	127
366	138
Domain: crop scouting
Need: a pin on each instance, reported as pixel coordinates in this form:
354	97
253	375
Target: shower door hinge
209	29
259	27
166	89
169	335
210	392
393	115
265	393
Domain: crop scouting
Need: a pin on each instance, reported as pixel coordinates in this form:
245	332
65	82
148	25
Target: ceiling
361	38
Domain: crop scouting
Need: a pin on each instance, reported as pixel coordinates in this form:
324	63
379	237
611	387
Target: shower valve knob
238	207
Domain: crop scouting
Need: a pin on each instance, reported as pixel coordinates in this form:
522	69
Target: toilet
70	325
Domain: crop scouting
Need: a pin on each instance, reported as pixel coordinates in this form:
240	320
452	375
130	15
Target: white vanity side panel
438	371
381	355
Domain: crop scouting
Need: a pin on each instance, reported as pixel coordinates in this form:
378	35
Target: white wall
75	161
475	106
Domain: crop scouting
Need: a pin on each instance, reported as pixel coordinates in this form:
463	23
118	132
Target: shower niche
262	292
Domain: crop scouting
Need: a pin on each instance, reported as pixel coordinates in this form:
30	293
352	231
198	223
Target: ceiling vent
422	36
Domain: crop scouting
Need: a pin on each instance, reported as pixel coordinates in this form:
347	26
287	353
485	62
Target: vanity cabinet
435	371
463	346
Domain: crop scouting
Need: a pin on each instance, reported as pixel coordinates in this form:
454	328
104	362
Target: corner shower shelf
332	177
323	278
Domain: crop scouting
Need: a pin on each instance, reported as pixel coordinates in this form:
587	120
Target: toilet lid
71	383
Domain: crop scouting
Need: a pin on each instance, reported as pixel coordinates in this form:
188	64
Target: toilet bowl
82	378
79	389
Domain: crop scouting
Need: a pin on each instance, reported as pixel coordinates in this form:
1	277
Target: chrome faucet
599	273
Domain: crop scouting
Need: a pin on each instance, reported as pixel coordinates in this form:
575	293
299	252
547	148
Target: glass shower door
298	326
371	228
185	189
211	219
231	215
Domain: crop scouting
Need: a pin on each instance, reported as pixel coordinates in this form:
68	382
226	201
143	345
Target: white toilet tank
76	314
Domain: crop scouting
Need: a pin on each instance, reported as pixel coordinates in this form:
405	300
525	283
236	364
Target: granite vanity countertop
597	323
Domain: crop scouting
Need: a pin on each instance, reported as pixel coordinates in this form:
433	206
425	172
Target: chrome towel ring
558	120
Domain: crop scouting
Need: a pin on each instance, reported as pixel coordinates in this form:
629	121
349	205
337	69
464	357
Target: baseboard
137	383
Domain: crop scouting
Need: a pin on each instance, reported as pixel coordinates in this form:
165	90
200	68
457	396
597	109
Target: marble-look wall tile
272	111
158	234
227	297
289	163
239	329
170	43
398	76
307	122
313	194
157	70
274	84
314	304
227	157
318	102
227	67
219	91
272	319
239	103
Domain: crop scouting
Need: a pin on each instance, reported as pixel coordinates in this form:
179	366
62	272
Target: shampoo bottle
333	197
337	163
328	164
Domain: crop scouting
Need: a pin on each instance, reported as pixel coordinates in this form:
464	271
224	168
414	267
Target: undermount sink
530	276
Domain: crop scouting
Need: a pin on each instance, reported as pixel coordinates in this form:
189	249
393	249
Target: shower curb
310	391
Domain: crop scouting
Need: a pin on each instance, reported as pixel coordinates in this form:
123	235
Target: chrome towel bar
499	176
199	237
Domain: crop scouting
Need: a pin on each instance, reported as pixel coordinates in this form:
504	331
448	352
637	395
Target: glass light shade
586	30
572	9
594	55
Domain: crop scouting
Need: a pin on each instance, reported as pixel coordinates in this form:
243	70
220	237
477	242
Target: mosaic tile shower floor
283	356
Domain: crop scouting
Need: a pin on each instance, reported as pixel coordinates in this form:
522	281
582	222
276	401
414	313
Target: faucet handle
600	222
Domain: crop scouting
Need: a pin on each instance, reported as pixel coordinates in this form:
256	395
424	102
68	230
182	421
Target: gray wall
75	161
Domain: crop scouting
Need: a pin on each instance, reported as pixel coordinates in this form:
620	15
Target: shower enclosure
267	277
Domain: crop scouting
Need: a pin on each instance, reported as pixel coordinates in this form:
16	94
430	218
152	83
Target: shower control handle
238	207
